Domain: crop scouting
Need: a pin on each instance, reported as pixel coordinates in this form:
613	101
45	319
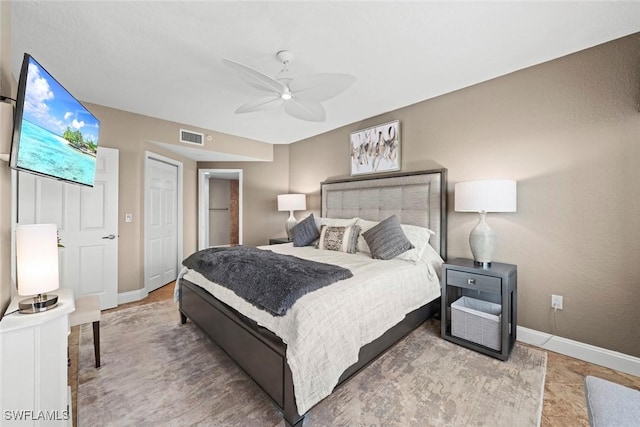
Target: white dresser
33	365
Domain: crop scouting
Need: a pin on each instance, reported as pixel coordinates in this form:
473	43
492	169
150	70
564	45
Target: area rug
156	371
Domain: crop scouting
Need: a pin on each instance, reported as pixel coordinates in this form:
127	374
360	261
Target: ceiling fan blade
305	110
266	103
320	87
257	79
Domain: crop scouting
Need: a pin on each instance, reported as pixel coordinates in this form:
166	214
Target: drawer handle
471	281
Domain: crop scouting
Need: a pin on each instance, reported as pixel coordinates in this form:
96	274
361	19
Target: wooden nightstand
497	284
279	240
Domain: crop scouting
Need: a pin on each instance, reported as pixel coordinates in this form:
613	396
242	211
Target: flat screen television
54	135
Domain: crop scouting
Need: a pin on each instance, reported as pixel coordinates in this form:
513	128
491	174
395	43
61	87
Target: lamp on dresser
37	266
482	196
291	203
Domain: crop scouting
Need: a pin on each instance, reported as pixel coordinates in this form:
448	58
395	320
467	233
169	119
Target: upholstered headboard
417	198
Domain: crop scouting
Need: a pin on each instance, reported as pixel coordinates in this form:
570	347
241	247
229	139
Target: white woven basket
477	321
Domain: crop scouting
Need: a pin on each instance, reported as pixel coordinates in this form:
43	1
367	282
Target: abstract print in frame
376	149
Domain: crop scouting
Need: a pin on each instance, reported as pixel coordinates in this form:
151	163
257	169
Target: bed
417	198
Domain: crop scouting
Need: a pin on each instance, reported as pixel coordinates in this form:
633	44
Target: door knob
110	237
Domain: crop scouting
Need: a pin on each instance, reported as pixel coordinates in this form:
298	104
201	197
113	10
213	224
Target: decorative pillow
418	236
305	232
342	239
387	240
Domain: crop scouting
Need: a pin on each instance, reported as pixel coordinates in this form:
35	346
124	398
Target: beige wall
130	133
569	132
6	122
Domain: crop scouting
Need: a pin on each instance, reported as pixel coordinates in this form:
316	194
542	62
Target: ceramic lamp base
482	240
291	222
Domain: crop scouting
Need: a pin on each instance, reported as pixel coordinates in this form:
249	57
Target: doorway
162	220
219	207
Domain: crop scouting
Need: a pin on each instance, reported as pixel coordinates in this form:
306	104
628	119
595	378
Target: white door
87	220
161	212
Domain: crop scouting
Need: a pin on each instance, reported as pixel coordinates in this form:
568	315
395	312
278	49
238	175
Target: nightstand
279	240
33	364
497	285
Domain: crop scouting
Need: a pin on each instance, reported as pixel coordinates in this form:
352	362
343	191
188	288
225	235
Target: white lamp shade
37	258
292	202
495	195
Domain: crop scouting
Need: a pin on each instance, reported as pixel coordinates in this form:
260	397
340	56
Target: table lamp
37	266
291	202
496	195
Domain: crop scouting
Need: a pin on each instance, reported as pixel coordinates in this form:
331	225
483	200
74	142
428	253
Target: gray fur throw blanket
266	279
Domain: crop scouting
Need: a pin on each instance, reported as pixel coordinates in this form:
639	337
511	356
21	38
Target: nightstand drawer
474	281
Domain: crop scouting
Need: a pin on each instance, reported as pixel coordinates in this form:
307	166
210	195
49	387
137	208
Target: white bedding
325	329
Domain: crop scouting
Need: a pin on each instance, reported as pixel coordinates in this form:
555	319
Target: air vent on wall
190	137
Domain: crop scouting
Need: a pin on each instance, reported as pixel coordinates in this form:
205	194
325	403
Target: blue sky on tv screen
49	105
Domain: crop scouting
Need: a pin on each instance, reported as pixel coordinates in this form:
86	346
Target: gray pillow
305	232
387	240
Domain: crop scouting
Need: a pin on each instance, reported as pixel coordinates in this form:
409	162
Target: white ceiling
164	59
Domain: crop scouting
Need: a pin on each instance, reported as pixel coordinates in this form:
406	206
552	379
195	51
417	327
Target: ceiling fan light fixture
301	96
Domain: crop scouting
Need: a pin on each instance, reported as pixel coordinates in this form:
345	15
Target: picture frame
375	149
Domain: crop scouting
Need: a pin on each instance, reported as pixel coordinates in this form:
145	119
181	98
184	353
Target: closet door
161	214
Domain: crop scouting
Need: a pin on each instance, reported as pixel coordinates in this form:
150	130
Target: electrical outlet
556	302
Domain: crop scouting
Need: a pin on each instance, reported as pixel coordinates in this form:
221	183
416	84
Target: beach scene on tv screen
58	135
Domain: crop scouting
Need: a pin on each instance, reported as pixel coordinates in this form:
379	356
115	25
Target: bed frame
418	198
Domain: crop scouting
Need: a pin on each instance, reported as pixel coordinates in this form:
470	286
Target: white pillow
364	225
418	236
334	222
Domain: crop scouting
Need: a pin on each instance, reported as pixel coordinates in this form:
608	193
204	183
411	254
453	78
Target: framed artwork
376	149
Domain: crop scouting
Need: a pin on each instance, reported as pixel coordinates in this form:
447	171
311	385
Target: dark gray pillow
305	232
387	240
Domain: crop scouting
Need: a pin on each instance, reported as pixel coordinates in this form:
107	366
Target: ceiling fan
300	95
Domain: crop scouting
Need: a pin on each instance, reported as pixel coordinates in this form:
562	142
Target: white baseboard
131	296
589	353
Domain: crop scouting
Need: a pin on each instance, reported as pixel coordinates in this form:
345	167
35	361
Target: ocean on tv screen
45	152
